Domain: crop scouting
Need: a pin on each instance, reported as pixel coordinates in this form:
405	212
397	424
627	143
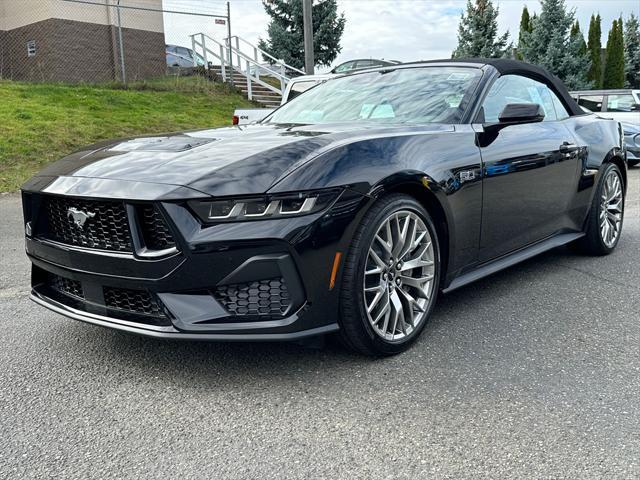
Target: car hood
225	161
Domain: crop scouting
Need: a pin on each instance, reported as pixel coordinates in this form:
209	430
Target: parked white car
622	105
298	85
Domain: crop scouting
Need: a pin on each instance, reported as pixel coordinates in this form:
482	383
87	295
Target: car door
530	170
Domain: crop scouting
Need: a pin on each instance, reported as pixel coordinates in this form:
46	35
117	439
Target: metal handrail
256	49
224	56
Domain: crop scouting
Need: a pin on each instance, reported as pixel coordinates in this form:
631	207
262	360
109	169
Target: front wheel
391	277
604	223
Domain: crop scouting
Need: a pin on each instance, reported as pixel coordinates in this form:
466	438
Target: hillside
43	122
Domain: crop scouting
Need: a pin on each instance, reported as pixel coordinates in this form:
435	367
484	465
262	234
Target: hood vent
180	143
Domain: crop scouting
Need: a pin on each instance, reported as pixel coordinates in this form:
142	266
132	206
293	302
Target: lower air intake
263	298
66	286
138	302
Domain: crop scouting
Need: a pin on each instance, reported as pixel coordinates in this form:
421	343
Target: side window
345	67
517	89
300	87
621	103
591	102
183	52
561	111
364	64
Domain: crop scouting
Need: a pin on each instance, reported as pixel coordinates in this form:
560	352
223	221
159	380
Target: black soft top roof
515	67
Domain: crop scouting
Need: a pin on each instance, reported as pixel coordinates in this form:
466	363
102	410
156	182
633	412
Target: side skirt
507	261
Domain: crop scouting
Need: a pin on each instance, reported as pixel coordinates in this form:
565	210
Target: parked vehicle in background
182	57
361	64
301	84
632	142
622	105
296	86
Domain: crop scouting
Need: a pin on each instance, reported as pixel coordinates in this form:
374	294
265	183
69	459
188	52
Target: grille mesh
106	229
66	286
259	298
135	301
154	229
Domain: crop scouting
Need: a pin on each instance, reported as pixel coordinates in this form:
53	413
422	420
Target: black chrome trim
511	259
170	332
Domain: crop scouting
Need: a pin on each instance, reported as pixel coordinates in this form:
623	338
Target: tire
384	309
633	163
599	239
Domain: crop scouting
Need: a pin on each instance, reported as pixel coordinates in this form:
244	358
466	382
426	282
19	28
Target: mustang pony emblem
79	217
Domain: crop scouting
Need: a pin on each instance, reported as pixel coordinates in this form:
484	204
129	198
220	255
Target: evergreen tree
525	28
594	46
551	45
576	35
632	52
614	60
574	67
478	33
286	36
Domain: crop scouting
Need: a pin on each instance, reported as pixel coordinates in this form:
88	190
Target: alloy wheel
399	276
611	209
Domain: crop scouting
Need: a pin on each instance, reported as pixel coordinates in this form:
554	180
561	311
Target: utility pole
123	73
307	17
229	44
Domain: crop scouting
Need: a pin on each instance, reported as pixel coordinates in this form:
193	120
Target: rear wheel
633	163
604	223
391	277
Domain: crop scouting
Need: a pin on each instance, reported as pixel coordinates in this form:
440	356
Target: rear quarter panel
603	141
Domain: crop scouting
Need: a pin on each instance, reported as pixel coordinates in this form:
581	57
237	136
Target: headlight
265	207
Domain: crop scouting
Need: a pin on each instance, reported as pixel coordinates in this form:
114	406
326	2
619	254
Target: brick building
57	40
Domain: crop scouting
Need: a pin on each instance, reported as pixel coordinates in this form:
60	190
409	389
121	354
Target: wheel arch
418	187
616	157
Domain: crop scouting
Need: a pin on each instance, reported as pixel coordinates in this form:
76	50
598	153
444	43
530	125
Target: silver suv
621	105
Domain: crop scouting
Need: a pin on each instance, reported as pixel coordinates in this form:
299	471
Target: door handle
567	147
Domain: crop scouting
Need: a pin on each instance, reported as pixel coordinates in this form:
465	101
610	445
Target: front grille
154	229
134	301
105	225
66	286
260	298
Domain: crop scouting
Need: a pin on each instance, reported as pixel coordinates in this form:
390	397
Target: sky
402	30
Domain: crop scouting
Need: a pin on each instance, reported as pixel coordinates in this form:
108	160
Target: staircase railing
257	51
215	52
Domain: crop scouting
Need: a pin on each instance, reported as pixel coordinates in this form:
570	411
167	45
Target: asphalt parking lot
534	372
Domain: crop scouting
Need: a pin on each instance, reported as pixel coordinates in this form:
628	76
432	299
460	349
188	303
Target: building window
31	48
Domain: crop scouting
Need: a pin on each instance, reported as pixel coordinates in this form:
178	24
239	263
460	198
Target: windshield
407	95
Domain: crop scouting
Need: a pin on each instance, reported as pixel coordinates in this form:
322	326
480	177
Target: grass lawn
40	123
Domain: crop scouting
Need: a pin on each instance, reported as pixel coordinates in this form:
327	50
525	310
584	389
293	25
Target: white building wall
18	13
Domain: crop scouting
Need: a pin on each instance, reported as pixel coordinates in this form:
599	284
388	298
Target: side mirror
512	114
516	113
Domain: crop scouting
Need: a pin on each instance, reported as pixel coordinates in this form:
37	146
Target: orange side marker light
334	270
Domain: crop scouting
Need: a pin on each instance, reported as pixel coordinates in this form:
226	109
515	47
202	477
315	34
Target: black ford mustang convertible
347	210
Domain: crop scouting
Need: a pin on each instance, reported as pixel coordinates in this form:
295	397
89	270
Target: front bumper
249	258
171	333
